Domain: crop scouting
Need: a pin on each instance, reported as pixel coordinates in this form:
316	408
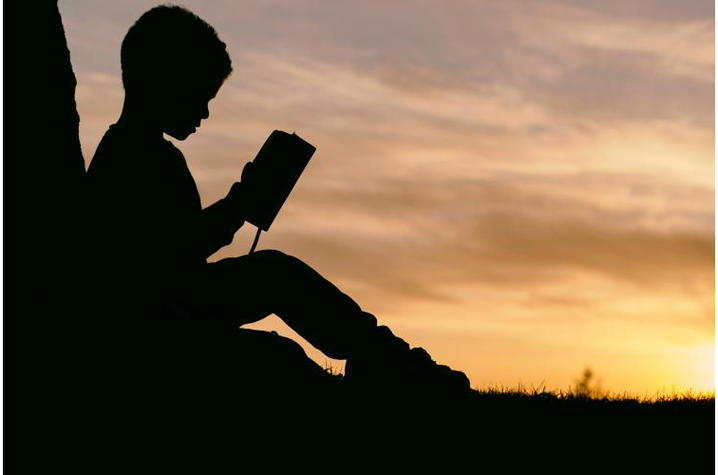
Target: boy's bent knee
280	262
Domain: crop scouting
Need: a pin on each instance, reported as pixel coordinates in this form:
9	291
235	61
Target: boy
146	212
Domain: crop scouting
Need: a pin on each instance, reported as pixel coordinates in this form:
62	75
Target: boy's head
173	64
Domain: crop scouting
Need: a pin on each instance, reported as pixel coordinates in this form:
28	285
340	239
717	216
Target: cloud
684	49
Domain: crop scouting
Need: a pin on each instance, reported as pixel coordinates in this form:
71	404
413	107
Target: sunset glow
526	189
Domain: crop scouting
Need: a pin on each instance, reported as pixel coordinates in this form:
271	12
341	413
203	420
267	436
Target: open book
276	169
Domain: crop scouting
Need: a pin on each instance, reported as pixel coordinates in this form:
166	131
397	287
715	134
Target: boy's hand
240	191
247	172
236	196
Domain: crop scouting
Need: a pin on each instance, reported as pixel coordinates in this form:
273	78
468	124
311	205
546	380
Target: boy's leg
248	288
276	361
251	287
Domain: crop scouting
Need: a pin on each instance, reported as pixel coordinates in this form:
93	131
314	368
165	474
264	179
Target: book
275	171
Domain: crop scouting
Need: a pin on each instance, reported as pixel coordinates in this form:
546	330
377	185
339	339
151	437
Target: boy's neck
136	118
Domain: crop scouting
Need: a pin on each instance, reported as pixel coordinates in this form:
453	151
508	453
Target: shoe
388	364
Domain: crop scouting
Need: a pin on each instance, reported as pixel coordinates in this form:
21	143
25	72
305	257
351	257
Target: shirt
147	225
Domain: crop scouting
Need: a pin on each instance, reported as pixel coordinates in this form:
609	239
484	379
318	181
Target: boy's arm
220	221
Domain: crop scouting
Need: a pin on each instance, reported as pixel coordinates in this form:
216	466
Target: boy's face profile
173	64
183	106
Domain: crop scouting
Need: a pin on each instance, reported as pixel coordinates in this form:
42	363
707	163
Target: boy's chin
180	134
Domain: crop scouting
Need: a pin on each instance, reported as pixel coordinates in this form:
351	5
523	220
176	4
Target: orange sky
523	188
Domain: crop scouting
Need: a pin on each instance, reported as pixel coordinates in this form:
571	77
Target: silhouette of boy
146	210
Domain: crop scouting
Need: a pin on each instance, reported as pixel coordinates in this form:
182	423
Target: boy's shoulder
123	149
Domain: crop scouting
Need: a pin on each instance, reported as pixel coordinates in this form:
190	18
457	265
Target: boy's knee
279	262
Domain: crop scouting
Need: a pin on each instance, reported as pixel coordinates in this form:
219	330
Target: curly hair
171	40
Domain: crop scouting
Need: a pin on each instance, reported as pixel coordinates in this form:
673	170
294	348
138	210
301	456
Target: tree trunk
43	174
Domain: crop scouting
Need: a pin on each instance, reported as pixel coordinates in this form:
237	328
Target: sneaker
388	364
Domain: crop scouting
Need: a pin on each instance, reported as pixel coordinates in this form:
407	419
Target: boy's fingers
236	194
236	188
247	171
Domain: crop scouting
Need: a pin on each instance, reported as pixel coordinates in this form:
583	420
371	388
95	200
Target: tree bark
43	174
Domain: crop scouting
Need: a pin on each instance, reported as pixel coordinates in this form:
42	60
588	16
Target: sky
525	189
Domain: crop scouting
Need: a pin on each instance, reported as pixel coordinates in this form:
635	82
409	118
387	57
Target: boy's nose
205	112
